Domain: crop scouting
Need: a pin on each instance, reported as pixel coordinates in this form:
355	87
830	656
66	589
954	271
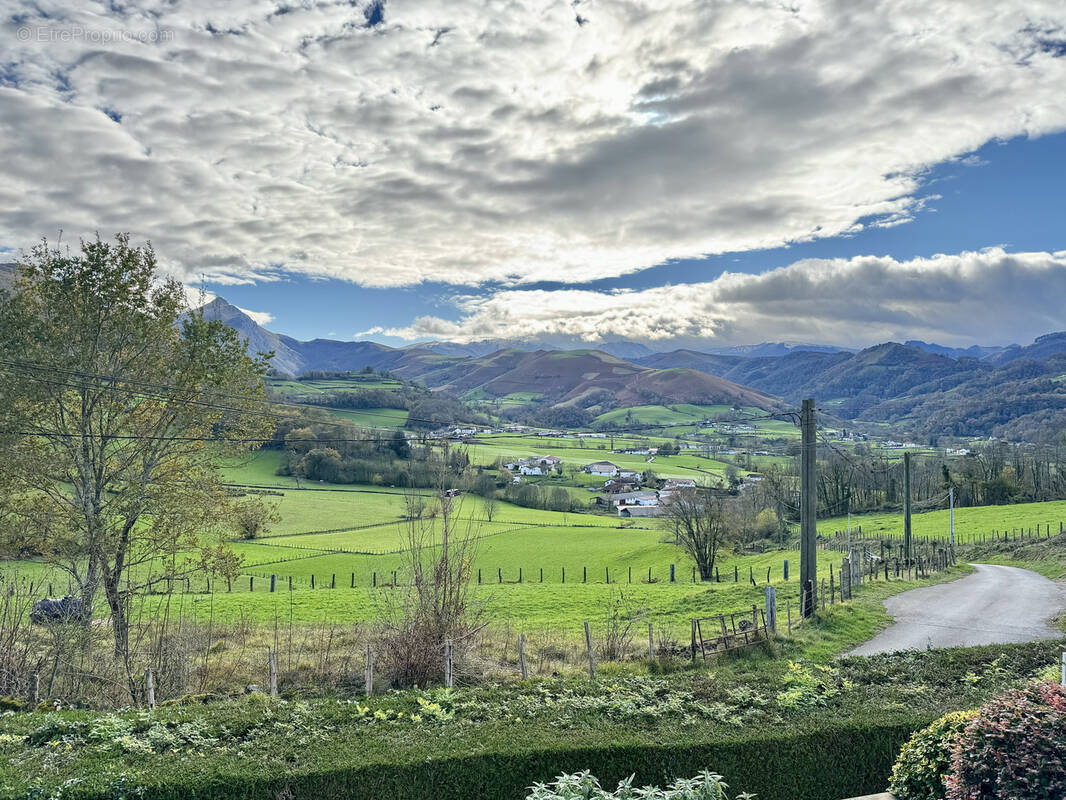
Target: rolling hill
555	377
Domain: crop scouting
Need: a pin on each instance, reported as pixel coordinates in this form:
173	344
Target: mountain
7	274
928	393
619	349
585	378
974	351
574	377
773	349
1049	344
260	340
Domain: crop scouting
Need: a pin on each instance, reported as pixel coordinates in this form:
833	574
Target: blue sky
1008	194
674	172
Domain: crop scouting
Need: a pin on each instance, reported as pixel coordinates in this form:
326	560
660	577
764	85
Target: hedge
828	763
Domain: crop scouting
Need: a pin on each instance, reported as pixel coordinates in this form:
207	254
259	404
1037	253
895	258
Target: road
990	606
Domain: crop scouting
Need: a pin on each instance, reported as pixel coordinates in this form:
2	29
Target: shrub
1013	748
925	760
583	786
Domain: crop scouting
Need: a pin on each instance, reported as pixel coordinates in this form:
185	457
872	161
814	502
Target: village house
640	511
629	475
605	468
674	485
635	499
639	451
537	465
620	485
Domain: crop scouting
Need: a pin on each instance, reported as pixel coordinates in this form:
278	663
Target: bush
1013	748
925	760
583	786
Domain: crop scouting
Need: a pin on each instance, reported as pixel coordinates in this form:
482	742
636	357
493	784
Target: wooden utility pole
808	505
907	507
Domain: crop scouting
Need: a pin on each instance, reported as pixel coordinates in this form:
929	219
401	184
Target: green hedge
828	763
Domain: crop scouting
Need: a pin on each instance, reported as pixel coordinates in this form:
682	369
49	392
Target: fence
729	633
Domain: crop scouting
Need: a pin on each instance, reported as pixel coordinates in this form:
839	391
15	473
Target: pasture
969	522
538	569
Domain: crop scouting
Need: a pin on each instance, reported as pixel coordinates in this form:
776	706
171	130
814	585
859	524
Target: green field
576	453
345	533
676	413
372	417
293	390
969	522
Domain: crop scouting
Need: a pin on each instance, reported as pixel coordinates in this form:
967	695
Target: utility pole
907	506
808	507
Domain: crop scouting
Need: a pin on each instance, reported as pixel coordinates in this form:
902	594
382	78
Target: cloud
466	141
259	317
989	296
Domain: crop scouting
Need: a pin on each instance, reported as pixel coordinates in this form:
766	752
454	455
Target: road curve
993	605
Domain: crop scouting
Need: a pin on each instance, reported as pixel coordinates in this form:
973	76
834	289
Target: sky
675	173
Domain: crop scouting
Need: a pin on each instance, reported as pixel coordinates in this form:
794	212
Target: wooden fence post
651	645
771	608
788	610
785	569
448	676
273	656
149	687
35	692
588	645
672	573
522	656
273	581
694	641
368	671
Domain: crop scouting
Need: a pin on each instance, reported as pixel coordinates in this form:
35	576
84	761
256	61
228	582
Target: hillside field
344	534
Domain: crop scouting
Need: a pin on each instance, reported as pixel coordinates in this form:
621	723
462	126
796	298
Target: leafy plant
925	760
585	786
1015	747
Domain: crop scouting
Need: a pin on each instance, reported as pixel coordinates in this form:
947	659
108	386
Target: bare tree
437	604
490	506
697	519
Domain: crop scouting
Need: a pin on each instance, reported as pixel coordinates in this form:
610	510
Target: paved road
993	605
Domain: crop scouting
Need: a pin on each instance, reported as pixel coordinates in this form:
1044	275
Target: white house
602	468
635	499
674	485
530	469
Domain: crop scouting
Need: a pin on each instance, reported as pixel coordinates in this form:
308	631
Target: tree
254	517
118	404
697	519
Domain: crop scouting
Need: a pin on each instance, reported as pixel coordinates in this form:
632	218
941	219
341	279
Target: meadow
353	538
294	390
969	522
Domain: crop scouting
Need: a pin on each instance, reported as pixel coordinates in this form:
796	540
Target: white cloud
259	317
989	296
468	141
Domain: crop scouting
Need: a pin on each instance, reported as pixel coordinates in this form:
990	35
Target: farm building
640	511
601	468
635	499
675	485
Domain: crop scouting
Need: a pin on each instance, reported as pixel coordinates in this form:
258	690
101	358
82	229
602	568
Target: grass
291	390
373	417
969	522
